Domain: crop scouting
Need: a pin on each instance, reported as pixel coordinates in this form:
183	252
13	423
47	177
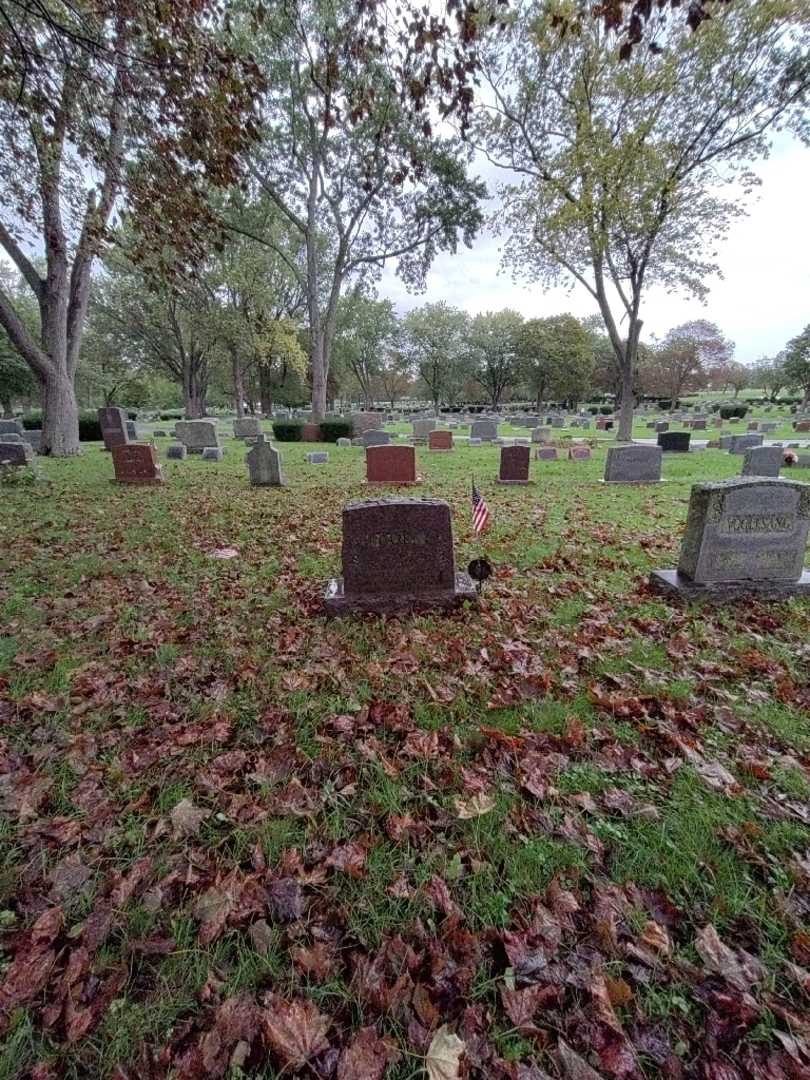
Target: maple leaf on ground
366	1057
443	1059
474	807
350	858
656	938
186	819
575	1067
295	1029
738	969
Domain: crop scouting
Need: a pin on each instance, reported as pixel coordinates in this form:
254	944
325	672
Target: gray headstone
132	431
247	427
633	464
114	426
422	428
15	453
159	433
264	464
318	457
541	435
485	430
345	442
749	531
763	461
212	453
33	438
374	437
741	443
196	435
11	427
176	451
473	441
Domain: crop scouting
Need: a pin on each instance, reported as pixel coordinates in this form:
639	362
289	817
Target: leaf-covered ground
566	834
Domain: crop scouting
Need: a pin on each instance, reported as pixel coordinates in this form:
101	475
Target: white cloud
761	301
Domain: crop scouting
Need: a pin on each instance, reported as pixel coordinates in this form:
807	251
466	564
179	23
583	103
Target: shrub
172	414
33	420
287	430
334	428
89	427
606	410
593	409
132	414
730	412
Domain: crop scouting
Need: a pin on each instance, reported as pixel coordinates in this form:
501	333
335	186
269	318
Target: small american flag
480	512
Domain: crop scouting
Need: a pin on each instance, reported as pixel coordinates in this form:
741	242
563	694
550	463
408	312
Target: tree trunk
8	410
60	416
625	431
319	377
238	385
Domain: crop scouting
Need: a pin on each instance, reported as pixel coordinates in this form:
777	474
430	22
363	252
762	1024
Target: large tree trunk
193	394
625	430
60	416
319	376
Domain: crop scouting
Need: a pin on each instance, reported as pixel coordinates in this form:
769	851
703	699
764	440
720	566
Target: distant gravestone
247	427
633	465
375	437
579	453
514	465
132	431
541	435
264	464
11	427
741	443
440	440
662	425
310	433
176	452
699	424
365	421
743	535
196	435
546	453
485	430
397	556
674	442
558	422
15	451
753	425
343	443
33	436
472	441
802	425
422	428
113	423
391	465
136	463
768	426
212	453
318	457
763	461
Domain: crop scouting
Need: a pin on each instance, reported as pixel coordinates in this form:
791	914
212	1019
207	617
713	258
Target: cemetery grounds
570	828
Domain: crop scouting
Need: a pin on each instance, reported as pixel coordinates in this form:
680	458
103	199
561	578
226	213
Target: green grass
137	671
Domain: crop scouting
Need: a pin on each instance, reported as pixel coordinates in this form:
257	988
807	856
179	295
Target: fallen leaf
475	806
296	1030
443	1060
366	1057
186	819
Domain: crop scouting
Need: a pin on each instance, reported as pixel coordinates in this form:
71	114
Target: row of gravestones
746	535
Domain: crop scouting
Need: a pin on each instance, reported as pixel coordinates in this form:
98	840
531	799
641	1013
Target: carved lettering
757	523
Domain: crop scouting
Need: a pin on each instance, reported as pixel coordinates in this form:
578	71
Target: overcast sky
762	300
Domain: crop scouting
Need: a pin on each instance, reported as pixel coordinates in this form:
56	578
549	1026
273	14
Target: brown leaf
656	938
740	970
475	806
186	819
575	1067
366	1057
296	1030
350	858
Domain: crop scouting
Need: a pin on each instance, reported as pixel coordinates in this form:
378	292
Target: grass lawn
570	828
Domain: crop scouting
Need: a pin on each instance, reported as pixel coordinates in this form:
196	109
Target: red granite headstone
113	423
391	465
440	440
802	425
310	433
136	463
514	465
579	453
397	556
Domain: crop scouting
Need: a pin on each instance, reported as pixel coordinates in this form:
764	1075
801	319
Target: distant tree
730	375
366	331
797	363
433	341
616	164
492	339
16	380
556	357
682	362
769	374
393	380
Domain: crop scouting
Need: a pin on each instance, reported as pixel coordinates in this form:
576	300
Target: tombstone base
153	480
670	581
336	602
394	483
524	482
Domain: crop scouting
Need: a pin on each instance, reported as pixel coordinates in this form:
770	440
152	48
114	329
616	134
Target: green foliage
334	428
731	412
796	365
433	342
556	357
493	341
32	421
288	430
171	414
16	379
89	426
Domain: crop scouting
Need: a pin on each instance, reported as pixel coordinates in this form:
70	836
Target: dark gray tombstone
15	451
11	427
176	452
397	556
633	464
763	461
485	430
212	453
196	435
746	535
113	423
741	443
515	462
264	464
375	437
674	442
247	427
